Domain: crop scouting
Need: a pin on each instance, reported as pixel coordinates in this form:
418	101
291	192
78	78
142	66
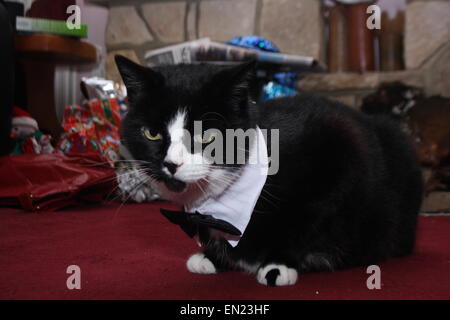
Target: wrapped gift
92	128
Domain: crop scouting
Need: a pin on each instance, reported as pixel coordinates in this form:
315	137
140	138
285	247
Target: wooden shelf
55	49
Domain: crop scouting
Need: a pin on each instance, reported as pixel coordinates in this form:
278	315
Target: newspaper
206	50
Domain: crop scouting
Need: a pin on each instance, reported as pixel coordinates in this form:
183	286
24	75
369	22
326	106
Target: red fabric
134	253
19	112
22	117
52	181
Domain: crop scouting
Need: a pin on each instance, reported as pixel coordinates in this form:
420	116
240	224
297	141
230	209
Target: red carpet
133	253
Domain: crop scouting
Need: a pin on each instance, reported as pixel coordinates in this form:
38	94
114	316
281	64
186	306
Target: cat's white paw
277	275
198	263
132	184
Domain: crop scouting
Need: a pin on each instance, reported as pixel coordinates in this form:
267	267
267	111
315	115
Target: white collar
235	205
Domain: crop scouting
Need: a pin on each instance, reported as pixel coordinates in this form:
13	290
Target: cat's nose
172	167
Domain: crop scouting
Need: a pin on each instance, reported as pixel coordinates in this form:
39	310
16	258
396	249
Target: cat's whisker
211	182
98	164
245	150
228	178
230	170
129	196
116	176
218	200
218	182
131	160
141	174
259	211
270	194
228	182
225	179
221	166
113	191
268	200
201	189
113	178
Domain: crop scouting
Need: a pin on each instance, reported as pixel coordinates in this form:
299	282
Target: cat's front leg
199	263
276	274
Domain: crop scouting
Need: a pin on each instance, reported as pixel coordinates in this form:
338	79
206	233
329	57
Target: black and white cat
346	193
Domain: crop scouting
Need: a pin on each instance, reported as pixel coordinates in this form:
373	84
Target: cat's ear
242	78
243	73
136	77
237	81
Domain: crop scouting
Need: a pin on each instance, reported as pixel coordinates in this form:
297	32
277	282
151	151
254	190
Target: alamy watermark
231	148
374	21
374	280
74	20
74	280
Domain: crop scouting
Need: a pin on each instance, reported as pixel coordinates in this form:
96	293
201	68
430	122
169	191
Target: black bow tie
189	222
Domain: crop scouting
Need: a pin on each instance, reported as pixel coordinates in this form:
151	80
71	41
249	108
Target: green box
34	25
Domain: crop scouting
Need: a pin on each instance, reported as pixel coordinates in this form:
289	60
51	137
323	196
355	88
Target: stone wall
426	55
135	27
427	28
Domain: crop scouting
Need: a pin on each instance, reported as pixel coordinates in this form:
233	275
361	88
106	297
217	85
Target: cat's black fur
348	188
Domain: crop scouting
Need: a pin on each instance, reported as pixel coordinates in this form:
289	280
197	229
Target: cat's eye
151	136
200	139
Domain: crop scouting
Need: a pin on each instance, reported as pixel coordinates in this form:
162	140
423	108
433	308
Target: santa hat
23	118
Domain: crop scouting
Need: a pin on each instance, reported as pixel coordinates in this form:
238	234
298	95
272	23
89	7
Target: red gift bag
38	182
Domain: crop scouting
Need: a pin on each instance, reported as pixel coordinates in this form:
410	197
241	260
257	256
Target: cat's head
394	98
164	104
